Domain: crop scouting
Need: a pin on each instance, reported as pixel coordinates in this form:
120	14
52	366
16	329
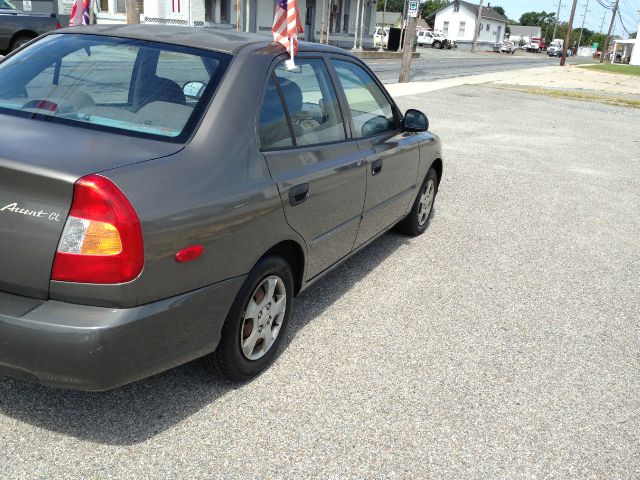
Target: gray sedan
165	192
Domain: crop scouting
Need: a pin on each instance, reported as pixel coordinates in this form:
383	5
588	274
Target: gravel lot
501	344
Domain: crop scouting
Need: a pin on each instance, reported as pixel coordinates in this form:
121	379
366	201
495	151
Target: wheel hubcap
263	317
426	202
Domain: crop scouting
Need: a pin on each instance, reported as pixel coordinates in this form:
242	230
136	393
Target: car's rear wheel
256	322
20	40
436	45
417	221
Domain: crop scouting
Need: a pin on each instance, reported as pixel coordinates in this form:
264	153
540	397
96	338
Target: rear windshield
128	86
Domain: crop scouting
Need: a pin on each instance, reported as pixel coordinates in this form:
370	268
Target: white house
255	16
458	21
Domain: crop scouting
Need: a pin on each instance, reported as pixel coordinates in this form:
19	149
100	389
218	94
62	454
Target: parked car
178	186
555	49
18	27
508	47
433	39
381	35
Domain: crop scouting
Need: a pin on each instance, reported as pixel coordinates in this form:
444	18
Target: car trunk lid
39	164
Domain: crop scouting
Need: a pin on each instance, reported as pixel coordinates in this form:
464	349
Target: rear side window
311	102
370	109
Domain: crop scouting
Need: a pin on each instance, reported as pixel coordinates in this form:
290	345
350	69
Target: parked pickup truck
18	27
433	39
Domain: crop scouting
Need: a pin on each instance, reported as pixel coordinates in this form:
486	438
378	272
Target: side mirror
193	89
415	121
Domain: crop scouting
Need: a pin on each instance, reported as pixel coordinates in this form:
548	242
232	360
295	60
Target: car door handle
298	194
376	167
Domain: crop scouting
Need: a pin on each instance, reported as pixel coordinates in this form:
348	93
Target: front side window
371	111
90	81
311	102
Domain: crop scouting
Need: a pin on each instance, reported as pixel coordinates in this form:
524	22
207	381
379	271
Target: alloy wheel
426	201
263	317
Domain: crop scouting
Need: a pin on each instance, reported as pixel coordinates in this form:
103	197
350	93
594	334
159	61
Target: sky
628	8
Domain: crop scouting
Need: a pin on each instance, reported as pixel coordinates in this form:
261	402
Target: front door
392	155
309	21
499	35
319	172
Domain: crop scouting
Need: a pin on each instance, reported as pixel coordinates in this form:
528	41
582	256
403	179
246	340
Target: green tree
392	5
430	7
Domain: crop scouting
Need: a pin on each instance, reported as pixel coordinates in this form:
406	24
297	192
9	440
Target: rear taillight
102	238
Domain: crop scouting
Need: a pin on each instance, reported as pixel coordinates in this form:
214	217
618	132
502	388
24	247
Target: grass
573	95
615	68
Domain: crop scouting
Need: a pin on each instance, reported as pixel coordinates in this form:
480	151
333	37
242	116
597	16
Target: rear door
392	155
320	172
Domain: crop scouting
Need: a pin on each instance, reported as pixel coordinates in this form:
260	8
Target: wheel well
294	255
437	166
23	33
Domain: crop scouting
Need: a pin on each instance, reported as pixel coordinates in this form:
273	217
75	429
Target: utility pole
569	32
355	37
322	22
364	4
328	20
474	45
605	47
407	53
555	26
403	30
133	16
584	18
602	24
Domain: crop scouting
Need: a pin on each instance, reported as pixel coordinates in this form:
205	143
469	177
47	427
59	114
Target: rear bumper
95	348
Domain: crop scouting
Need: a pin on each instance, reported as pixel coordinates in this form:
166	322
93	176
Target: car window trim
394	108
285	108
345	122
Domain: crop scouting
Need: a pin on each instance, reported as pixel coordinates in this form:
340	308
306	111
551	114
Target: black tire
228	360
20	40
411	225
436	44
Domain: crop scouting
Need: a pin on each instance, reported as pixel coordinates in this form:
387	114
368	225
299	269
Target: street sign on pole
413	9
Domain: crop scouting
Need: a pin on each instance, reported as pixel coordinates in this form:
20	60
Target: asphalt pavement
435	64
503	343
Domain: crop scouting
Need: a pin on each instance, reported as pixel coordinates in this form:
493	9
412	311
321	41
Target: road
503	343
438	64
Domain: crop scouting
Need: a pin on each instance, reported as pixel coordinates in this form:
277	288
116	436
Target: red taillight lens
102	237
58	26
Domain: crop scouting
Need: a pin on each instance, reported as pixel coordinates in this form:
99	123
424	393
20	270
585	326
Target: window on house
445	29
121	6
456	7
104	5
488	26
463	26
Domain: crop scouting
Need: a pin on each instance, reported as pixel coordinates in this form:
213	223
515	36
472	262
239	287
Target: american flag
80	13
286	25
